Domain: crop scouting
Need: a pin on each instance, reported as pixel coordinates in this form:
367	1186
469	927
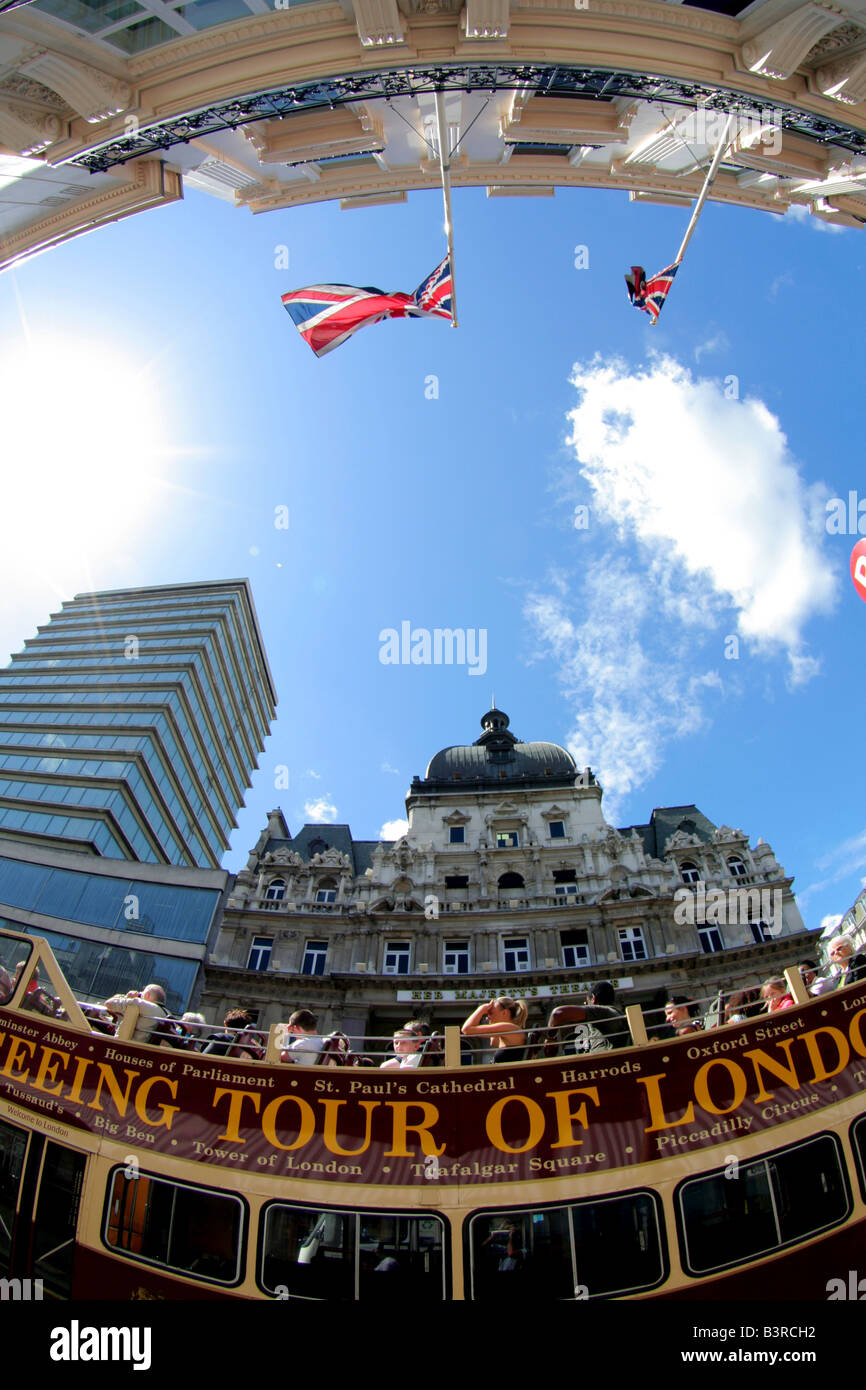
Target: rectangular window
557	829
347	1255
776	1201
315	955
456	881
397	956
456	957
457	835
326	896
515	953
595	1249
711	939
507	839
260	953
575	948
631	943
190	1229
564	891
761	932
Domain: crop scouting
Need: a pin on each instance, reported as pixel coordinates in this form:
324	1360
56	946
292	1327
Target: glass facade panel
183	914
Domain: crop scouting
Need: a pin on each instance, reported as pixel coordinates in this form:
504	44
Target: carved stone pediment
284	859
456	818
725	832
680	840
330	859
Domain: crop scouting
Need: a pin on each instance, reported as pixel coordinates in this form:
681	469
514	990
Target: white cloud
630	700
709	482
393	829
830	922
718	343
386	767
712	533
310	773
843	861
798	212
321	810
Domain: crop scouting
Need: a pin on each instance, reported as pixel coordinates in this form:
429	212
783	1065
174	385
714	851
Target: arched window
736	866
276	890
511	881
690	872
326	891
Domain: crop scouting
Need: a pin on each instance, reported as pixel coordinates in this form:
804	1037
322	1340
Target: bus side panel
99	1275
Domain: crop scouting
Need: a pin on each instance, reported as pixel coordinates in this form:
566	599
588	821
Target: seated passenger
600	1026
36	998
681	1015
851	967
775	993
191	1038
408	1051
237	1040
739	1006
503	1019
151	1008
306	1044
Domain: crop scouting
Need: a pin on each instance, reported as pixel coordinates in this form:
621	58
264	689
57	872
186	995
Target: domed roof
499	756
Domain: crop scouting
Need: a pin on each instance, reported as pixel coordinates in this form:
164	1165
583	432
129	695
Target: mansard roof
312	839
665	821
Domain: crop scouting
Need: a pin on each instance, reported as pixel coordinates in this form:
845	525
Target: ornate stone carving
780	49
94	94
331	859
844	80
17	86
25	130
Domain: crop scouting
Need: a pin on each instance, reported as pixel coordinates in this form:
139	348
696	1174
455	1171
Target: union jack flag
326	315
650	295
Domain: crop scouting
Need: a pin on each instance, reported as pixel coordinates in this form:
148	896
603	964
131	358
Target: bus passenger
408	1050
775	992
600	1026
238	1040
504	1019
680	1014
151	1008
306	1044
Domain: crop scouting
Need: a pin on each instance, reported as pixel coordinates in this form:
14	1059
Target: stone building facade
509	880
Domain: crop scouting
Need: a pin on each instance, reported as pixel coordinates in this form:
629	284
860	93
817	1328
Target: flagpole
445	170
708	183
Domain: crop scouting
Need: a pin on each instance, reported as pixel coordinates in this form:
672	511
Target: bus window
792	1194
858	1142
341	1255
584	1251
55	1218
193	1230
13	1145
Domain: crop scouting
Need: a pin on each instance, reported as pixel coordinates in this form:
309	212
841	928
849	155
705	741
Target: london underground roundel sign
858	568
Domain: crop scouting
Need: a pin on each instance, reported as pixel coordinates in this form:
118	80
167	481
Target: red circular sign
858	568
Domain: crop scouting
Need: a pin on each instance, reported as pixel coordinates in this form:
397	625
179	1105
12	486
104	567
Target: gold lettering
564	1117
329	1132
810	1039
15	1055
702	1088
167	1112
48	1071
759	1058
81	1065
656	1106
107	1077
307	1125
402	1126
236	1101
855	1032
493	1124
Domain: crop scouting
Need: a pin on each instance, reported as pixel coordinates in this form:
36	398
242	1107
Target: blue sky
705	450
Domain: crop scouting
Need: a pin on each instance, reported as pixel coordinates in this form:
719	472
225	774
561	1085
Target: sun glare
84	447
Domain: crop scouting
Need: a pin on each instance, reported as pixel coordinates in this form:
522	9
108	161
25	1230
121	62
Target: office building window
260	953
631	943
397	957
575	948
507	839
456	957
515	953
315	955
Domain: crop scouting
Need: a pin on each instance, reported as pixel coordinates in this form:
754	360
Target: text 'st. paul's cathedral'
509	880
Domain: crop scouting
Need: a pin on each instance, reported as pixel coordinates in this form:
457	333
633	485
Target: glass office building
130	725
